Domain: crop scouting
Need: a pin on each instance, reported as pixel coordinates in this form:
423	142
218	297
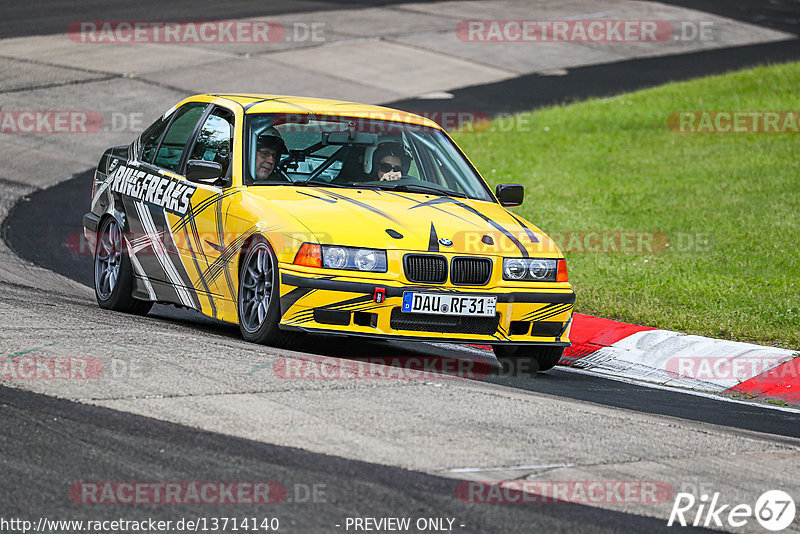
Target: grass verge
728	205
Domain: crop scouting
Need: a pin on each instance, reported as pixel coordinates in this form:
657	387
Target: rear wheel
259	296
113	273
528	359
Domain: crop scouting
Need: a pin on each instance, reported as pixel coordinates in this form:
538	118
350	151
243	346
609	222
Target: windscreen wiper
315	182
422	188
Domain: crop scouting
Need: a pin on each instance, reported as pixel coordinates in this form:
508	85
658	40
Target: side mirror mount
510	194
204	172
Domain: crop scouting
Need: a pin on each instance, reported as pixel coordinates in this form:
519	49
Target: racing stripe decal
199	208
329	200
137	266
197	267
472	210
215	269
546	312
163	258
141	240
360	204
307	314
289	299
221	234
302	317
433	242
350	302
196	234
432	204
501	333
100	190
497	225
341	305
528	231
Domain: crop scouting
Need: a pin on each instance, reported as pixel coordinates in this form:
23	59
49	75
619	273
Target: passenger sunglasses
387	167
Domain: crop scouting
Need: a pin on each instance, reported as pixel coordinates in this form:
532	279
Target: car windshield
353	152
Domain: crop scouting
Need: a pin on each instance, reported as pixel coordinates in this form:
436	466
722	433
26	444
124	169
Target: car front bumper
327	304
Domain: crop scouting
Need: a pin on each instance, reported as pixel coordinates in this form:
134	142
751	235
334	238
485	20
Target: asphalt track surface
62	442
781	15
534	90
45	17
97	444
57	247
19	18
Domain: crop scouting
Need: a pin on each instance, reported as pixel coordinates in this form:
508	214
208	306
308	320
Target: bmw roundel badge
445	242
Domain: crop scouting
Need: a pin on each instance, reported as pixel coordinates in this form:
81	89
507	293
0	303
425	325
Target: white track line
509	468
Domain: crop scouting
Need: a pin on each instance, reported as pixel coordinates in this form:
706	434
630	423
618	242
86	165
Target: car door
204	244
153	193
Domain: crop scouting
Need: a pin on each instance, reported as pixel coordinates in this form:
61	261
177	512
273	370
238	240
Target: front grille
425	268
470	271
444	324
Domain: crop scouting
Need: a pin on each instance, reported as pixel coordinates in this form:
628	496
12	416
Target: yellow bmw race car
287	214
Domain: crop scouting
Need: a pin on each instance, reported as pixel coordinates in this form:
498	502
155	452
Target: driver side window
215	139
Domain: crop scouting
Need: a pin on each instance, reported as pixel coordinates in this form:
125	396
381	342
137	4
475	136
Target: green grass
613	164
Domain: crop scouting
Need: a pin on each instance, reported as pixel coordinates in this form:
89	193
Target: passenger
390	162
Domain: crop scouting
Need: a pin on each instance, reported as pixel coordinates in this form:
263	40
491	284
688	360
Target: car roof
257	103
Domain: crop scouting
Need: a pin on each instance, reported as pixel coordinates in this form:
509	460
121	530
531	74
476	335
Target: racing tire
113	272
528	359
258	300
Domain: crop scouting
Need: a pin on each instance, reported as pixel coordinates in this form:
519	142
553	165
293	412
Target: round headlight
515	269
366	260
334	257
538	269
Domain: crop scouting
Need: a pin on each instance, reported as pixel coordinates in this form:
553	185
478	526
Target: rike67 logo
774	510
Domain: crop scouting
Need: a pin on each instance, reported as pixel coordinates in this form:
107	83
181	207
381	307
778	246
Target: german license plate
444	304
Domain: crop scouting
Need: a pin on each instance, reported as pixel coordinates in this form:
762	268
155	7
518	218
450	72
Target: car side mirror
204	172
509	194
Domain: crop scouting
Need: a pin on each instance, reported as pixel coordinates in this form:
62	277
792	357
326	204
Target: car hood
408	221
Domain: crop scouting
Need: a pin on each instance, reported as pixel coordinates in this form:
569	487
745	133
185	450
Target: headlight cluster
353	259
336	257
535	269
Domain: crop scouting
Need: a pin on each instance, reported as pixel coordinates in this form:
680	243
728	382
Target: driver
269	147
390	162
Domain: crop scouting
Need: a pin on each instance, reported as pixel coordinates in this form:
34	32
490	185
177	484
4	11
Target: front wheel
259	296
528	359
113	273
